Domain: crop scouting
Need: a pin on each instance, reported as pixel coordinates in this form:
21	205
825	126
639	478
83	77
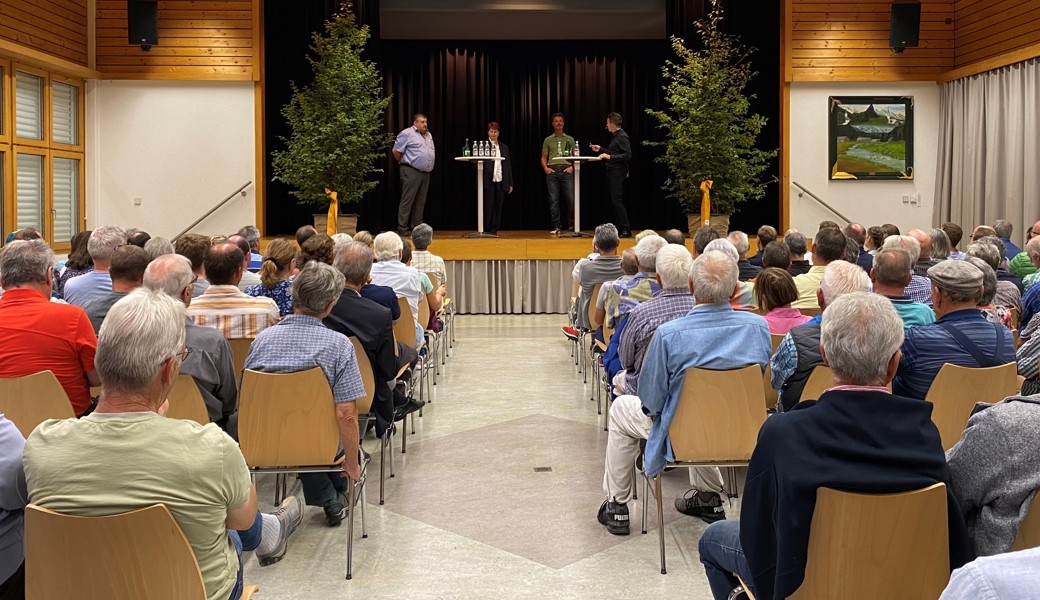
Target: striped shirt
643	321
236	315
426	262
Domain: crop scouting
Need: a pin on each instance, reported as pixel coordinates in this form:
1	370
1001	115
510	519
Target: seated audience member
673	301
748	271
889	277
434	296
252	237
955	233
318	248
136	237
1003	229
78	263
995	471
12	504
1020	265
364	237
301	342
306	232
102	243
875	239
644	233
960	336
774	293
371	323
157	247
778	255
940	244
249	278
423	260
604	269
828	246
919	290
389	271
1031	250
629	270
127	269
856	233
712	336
127	456
851	251
674	236
1002	273
39	335
194	247
1031	299
223	306
924	259
890	230
704	236
847	440
796	243
25	233
626	293
994	313
209	361
766	235
744	295
799	352
1010	576
277	267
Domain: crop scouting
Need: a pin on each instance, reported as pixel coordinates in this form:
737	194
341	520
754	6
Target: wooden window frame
45	109
81	200
7	182
6	108
80	107
47	222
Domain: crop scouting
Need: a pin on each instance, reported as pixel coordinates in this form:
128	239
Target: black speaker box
906	25
142	22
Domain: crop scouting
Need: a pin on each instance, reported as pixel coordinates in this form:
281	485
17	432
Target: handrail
805	190
240	190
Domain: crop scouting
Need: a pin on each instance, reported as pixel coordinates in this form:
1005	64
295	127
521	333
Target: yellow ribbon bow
330	225
706	202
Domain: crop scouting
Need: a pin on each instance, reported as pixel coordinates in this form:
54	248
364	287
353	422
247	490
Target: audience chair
1015	318
287	424
586	355
810	312
432	338
891	546
820	381
365	413
31	400
447	315
128	556
772	396
603	383
239	351
186	401
574	343
404	331
955	391
1029	531
716	424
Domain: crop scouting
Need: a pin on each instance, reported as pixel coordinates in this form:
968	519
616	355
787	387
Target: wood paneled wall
989	28
847	40
55	27
198	39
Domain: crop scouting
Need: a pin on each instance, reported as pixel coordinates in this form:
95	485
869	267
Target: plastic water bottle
474	147
465	148
577	148
483	148
559	147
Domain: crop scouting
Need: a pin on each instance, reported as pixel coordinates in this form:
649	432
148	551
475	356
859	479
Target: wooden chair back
239	351
368	378
186	401
772	396
404	326
718	416
891	546
820	379
591	311
810	312
287	419
775	339
424	312
955	391
1015	322
1029	531
133	555
31	400
433	279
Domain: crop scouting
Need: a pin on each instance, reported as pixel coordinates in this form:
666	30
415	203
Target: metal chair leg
382	468
646	503
660	521
404	437
364	511
350	530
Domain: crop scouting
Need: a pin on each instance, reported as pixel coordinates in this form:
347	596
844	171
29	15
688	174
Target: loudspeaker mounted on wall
905	26
142	23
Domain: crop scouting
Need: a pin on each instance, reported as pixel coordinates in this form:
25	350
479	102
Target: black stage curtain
461	86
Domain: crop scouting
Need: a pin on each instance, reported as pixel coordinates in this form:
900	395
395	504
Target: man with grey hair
765	235
919	290
249	279
223	306
799	352
711	336
1003	229
127	456
960	336
98	283
924	260
799	247
389	271
702	237
210	361
603	269
674	236
748	271
301	342
744	295
252	236
39	335
618	298
423	260
1007	293
889	277
847	440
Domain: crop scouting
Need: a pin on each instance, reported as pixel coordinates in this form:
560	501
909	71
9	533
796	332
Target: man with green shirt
1021	265
559	175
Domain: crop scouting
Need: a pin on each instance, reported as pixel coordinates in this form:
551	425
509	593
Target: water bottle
559	147
465	148
577	148
483	148
474	147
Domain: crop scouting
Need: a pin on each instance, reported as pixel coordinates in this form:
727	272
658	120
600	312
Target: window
65	198
65	113
29	190
28	106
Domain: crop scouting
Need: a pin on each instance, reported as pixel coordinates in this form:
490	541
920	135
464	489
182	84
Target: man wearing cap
960	335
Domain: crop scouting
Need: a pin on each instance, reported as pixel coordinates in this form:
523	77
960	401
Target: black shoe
707	506
614	516
403	411
625	234
336	510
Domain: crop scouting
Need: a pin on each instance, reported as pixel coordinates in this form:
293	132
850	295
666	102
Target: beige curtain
989	149
510	286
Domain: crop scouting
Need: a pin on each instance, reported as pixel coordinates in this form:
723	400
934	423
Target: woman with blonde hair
279	260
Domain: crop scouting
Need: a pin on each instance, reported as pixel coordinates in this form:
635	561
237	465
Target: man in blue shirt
414	151
960	336
711	336
12	502
1003	228
889	277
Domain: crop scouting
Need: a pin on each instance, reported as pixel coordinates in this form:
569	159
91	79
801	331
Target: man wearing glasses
1020	265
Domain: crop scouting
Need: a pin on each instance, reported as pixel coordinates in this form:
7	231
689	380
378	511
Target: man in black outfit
357	316
617	155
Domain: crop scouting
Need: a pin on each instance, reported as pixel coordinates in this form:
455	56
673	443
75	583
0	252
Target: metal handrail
240	190
806	190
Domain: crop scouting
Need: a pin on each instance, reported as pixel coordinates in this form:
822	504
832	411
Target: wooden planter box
344	223
719	223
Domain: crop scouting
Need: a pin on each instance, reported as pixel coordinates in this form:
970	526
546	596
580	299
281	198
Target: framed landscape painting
871	137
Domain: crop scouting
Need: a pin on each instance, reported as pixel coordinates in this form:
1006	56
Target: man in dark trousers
617	156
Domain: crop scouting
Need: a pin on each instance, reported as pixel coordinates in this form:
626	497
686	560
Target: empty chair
31	400
186	401
955	391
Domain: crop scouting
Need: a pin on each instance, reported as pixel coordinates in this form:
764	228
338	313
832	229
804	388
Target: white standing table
576	161
479	233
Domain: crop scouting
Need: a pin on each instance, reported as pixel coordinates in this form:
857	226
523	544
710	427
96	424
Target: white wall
865	202
179	146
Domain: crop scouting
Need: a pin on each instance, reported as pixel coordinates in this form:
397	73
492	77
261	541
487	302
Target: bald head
223	264
924	240
354	260
243	245
856	232
891	272
169	274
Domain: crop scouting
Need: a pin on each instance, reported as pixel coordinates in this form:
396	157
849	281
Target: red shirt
39	335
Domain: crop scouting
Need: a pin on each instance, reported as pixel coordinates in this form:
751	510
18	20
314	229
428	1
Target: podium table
480	192
576	161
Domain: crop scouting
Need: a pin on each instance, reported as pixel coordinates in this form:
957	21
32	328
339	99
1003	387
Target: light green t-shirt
555	147
427	285
106	464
